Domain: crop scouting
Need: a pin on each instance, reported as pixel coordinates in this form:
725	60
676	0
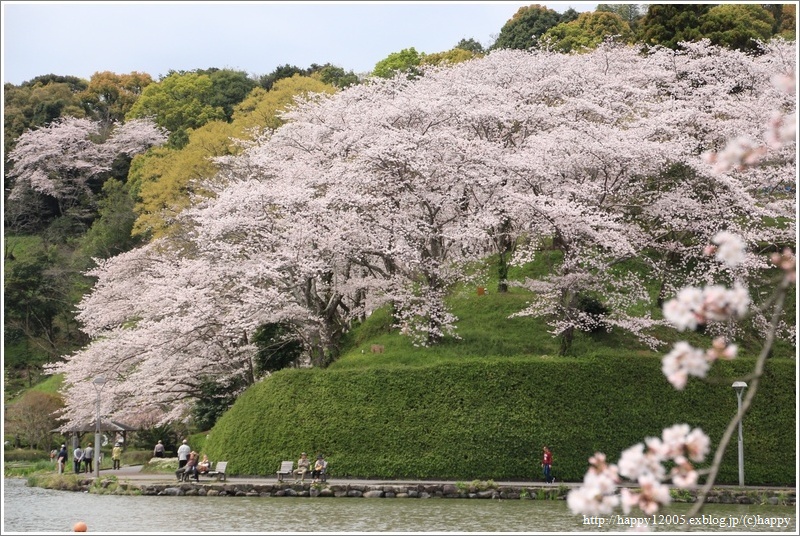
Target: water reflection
39	510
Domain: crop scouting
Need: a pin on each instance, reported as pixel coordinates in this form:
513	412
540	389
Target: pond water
38	510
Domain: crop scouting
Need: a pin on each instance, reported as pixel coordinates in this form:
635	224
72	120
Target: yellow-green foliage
166	178
449	57
588	31
489	418
261	108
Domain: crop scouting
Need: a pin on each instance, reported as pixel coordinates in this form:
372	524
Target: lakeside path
133	473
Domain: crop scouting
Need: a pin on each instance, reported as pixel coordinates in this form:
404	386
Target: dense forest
214	220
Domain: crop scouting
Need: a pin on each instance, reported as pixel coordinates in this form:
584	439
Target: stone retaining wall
419	491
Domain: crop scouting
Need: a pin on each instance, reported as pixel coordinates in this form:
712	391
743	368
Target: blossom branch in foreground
786	262
642	463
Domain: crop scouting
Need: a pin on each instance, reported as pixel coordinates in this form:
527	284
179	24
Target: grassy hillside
488	417
483	405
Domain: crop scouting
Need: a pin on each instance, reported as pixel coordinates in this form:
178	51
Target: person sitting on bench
188	470
204	466
319	469
303	466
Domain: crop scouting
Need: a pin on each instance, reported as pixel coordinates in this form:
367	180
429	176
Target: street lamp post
98	384
740	387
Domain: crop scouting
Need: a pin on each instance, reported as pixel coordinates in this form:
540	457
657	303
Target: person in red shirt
547	465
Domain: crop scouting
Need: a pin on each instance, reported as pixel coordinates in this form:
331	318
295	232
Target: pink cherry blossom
391	193
730	248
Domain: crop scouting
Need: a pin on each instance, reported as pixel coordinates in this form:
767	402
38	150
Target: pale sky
82	38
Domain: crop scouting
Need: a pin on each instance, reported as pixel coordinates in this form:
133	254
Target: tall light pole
740	387
98	384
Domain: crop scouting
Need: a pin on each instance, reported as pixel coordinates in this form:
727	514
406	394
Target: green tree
277	348
407	60
630	13
788	20
333	75
22	362
472	45
260	109
451	57
180	102
228	88
110	96
529	23
31	418
111	232
282	71
588	31
169	434
213	401
162	180
33	298
737	25
669	24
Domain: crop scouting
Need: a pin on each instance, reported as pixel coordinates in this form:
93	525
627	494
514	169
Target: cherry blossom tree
62	159
694	202
386	192
161	324
635	161
644	462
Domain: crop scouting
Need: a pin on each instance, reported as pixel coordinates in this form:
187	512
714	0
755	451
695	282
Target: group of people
304	466
188	462
189	466
83	458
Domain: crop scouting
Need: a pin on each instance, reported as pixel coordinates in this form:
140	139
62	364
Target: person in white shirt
183	454
88	458
77	458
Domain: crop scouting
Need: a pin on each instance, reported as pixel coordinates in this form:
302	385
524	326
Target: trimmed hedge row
488	419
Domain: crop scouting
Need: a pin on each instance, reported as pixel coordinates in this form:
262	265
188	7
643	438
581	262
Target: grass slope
481	407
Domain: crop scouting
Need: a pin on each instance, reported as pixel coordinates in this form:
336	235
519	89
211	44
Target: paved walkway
133	473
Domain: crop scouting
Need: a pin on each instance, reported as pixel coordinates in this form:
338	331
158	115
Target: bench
287	468
219	471
186	476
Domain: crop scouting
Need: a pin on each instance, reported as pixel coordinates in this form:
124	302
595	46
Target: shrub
488	418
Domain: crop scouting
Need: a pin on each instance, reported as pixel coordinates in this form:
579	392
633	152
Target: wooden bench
186	476
219	471
287	468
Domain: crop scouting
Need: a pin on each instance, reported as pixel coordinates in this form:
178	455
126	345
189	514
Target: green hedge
488	419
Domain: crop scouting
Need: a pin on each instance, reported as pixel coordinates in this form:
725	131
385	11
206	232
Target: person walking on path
116	456
158	450
547	465
183	454
77	459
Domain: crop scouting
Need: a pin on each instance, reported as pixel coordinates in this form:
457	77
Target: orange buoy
80	526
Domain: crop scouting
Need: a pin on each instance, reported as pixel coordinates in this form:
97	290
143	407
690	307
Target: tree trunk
505	248
566	341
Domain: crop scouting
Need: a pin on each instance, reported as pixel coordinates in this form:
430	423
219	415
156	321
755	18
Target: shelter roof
105	426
